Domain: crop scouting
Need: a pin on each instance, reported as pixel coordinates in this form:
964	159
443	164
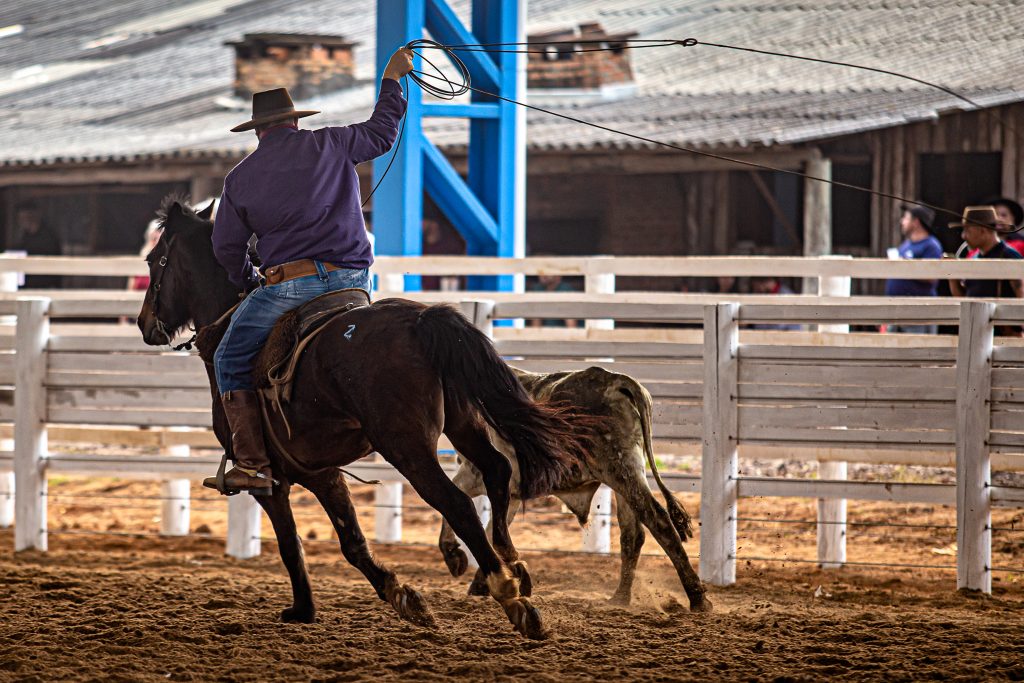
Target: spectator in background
1011	218
725	284
769	284
437	241
981	231
140	283
35	238
918	243
550	283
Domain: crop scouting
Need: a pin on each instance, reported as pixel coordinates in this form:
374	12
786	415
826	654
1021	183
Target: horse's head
176	266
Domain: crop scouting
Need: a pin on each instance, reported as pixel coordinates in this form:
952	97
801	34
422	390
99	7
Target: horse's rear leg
470	482
279	510
330	489
418	463
471	440
479	583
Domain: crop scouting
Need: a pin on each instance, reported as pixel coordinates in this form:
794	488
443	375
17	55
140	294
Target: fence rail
721	391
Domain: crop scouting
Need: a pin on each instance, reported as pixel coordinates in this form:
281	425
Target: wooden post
243	527
832	512
389	284
719	462
479	312
817	212
599	283
175	506
388	514
973	499
483	511
6	489
30	446
597	535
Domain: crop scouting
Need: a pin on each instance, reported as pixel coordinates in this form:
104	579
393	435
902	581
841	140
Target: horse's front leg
289	545
330	489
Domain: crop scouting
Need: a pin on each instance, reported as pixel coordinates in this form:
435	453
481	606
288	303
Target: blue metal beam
451	194
488	206
446	28
398	202
468	111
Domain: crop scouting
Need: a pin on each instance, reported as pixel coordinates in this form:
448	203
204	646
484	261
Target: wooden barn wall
895	153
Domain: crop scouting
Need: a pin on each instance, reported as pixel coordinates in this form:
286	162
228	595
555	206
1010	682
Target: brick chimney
307	65
562	68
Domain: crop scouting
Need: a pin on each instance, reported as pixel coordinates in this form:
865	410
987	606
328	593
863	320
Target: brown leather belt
293	269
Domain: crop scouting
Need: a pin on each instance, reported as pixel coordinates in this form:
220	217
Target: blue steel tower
488	206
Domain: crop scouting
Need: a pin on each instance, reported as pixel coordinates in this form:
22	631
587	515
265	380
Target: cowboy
298	192
982	227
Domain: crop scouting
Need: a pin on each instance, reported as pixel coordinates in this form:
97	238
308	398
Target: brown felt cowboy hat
271	106
980	216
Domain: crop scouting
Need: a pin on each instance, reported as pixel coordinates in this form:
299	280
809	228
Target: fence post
832	512
390	283
479	312
599	283
719	463
388	513
6	489
30	445
8	283
973	499
483	511
597	534
243	527
175	506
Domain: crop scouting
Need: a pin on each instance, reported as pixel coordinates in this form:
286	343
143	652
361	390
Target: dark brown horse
390	377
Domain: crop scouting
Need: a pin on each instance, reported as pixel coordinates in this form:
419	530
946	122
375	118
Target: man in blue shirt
918	243
298	192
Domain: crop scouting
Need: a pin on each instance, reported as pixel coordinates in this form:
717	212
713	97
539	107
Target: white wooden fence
726	393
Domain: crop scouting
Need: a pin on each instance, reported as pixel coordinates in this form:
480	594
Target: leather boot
252	466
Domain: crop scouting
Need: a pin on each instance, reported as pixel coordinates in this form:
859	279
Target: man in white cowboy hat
298	192
981	229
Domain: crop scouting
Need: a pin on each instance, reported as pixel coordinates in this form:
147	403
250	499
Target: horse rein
157	278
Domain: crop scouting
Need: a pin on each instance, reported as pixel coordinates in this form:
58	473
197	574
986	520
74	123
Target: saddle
275	366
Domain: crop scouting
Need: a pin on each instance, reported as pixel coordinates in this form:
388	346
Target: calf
623	409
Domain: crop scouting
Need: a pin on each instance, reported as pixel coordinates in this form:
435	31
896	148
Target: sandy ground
145	608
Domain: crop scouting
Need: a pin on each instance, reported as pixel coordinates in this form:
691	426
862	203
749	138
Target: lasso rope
443	87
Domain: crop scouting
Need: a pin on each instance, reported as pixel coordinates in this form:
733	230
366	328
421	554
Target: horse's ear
207	213
175	212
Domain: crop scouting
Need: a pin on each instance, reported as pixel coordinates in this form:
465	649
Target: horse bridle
157	278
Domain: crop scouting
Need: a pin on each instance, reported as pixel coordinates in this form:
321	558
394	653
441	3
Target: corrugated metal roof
168	92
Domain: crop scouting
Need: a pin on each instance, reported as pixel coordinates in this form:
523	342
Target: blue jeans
255	317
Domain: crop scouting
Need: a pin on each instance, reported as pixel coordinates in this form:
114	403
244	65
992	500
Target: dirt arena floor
142	608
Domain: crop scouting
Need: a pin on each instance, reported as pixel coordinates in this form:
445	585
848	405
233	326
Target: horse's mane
182	199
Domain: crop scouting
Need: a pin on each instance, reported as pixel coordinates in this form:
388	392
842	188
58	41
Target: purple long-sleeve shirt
299	193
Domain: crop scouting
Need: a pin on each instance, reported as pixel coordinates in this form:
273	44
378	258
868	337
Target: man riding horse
298	192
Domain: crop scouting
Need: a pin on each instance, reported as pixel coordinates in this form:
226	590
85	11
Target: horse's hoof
525	619
411	606
479	586
702	605
620	599
520	571
299	615
457	561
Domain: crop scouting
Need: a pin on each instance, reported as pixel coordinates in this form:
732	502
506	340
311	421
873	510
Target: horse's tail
545	440
641	399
